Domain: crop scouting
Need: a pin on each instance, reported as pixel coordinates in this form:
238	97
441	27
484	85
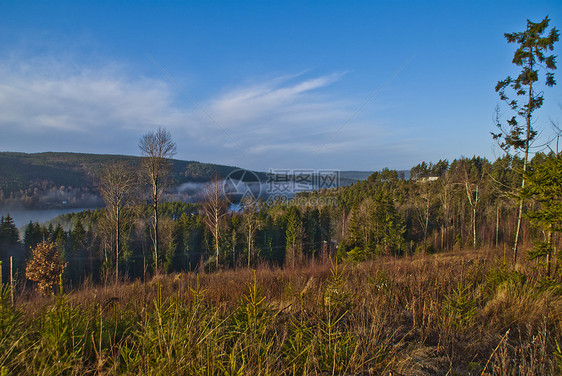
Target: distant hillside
69	179
60	180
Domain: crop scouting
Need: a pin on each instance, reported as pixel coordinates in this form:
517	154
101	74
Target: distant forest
71	180
444	206
54	180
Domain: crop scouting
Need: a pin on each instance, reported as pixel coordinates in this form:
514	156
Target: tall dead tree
157	148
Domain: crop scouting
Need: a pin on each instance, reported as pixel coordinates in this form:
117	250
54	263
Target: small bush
45	267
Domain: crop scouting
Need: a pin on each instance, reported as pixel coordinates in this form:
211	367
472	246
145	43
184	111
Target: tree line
512	202
468	203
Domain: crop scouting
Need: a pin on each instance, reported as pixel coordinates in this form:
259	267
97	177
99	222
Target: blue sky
353	85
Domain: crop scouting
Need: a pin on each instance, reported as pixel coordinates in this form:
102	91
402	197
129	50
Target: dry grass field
462	313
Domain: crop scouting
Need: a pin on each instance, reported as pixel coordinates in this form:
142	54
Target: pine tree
294	236
32	235
545	186
531	57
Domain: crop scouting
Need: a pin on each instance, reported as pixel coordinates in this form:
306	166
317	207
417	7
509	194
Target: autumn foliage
45	267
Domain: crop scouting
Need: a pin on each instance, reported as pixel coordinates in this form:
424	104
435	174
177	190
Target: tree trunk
526	158
217	238
249	244
474	227
156	234
548	255
117	236
497	224
426	225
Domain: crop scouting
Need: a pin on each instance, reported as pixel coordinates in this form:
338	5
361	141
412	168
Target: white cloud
271	101
52	105
82	102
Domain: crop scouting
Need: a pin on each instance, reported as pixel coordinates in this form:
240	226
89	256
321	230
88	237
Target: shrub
45	267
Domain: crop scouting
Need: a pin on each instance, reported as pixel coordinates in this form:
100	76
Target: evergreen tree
531	56
545	186
9	234
32	235
9	245
376	227
294	232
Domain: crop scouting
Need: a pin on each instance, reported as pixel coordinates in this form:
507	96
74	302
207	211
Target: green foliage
357	254
33	235
63	340
254	314
544	185
503	276
383	215
299	345
9	235
390	315
459	307
558	355
549	284
205	171
12	328
337	296
293	235
376	227
323	342
530	56
253	339
334	344
426	170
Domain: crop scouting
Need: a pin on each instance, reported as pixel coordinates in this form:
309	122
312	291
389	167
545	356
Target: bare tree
215	208
445	198
117	184
473	195
472	174
251	222
157	148
423	202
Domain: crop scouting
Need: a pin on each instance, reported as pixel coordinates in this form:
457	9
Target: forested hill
51	179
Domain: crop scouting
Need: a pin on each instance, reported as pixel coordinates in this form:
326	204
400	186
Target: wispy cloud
40	101
53	105
47	99
276	105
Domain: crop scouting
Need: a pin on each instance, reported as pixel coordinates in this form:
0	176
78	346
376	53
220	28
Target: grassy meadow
452	313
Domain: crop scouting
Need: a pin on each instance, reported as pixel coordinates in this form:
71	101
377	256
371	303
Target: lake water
22	217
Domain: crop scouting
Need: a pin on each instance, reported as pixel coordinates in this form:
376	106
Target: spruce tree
532	57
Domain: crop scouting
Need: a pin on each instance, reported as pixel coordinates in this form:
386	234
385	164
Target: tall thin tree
215	208
531	56
117	184
251	223
157	148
